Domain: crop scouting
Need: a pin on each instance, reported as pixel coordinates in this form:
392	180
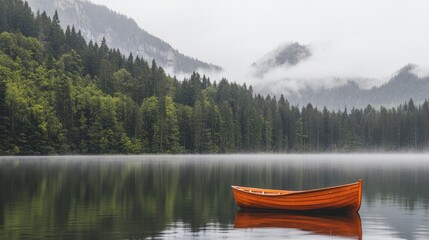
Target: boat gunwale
294	192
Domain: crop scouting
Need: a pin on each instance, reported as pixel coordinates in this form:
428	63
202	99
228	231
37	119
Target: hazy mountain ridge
97	21
398	90
271	73
284	56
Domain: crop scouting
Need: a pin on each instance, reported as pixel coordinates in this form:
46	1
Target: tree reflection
136	199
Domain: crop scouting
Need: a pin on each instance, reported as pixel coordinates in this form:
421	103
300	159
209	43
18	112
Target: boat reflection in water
345	225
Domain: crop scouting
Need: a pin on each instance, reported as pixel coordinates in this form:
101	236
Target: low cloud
421	71
330	65
361	40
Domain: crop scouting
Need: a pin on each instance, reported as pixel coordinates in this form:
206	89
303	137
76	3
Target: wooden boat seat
265	191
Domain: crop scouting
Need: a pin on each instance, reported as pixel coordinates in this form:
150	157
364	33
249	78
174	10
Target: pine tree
198	127
4	117
56	37
170	128
185	123
227	128
300	136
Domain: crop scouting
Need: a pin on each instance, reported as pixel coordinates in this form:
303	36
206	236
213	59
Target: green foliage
4	116
186	127
166	129
16	15
59	94
149	110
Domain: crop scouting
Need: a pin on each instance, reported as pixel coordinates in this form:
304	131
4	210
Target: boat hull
344	198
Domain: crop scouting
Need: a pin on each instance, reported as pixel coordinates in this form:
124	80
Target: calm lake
189	196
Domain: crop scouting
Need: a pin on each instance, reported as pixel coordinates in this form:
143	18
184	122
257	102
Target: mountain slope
284	56
96	22
403	86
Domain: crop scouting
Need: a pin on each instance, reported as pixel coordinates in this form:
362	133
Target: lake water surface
189	196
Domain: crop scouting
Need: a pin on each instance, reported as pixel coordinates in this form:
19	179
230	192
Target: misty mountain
398	90
284	56
96	21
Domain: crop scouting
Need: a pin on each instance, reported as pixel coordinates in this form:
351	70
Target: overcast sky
350	39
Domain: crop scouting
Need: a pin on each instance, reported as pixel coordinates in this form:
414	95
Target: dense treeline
59	94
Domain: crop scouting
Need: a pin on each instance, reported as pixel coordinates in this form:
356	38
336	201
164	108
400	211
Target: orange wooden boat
341	225
343	198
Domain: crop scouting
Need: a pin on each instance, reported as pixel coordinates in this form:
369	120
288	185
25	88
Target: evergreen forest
62	95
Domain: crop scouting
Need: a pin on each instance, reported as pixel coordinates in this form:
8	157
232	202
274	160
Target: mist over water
61	95
189	196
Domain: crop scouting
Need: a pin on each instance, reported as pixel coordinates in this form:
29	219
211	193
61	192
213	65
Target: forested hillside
59	94
97	21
